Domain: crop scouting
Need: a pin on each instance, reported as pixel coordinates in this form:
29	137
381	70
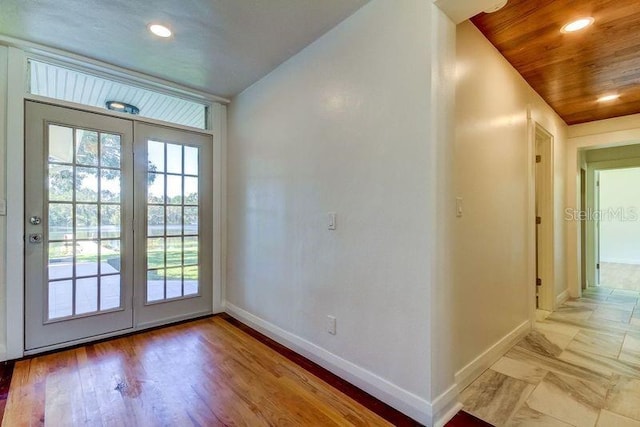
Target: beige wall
493	247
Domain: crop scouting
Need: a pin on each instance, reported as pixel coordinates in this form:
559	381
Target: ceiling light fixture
608	98
122	107
496	7
160	30
577	25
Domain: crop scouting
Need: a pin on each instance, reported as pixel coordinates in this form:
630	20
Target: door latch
35	220
35	238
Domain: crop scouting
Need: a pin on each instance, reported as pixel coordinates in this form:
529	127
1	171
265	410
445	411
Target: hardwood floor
203	373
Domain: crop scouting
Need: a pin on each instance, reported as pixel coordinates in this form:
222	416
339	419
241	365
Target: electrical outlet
331	324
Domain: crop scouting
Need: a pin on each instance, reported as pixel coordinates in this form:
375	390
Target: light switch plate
459	207
3	207
332	221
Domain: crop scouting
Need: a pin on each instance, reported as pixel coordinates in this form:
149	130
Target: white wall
614	132
620	223
493	157
343	126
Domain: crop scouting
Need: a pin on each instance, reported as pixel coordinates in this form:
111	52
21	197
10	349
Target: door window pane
109	221
155	154
174	220
155	285
174	251
60	144
155	221
86	258
155	188
60	183
110	150
190	220
174	189
86	295
60	299
86	184
86	221
110	256
155	253
174	282
190	190
86	147
191	250
60	260
110	186
174	158
109	292
60	221
191	280
190	160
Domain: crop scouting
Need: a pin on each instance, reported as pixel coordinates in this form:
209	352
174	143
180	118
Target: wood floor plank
201	373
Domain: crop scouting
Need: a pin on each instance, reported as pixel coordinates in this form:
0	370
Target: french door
173	178
112	244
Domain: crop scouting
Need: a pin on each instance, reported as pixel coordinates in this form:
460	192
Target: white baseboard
404	401
562	297
473	370
445	406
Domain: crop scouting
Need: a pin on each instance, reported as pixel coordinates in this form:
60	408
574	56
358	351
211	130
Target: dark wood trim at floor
464	419
6	373
383	410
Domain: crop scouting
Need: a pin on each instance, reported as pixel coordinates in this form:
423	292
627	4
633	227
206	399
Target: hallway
578	367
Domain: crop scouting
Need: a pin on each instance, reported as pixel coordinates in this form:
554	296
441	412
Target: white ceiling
70	85
219	46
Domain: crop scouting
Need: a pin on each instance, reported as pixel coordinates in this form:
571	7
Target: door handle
35	238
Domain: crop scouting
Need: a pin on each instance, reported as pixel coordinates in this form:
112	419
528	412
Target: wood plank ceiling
572	70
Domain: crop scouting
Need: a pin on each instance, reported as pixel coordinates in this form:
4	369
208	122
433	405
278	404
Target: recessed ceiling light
160	30
577	25
608	98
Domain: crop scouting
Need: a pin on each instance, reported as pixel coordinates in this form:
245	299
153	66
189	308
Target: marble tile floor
620	276
580	366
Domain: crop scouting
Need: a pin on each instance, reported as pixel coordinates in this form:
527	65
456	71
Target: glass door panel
82	215
77	206
174	173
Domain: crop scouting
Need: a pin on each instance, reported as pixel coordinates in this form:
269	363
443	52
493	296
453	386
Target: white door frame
544	186
591	246
17	93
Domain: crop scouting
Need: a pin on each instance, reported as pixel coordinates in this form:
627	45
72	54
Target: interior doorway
112	245
612	218
618	228
544	248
